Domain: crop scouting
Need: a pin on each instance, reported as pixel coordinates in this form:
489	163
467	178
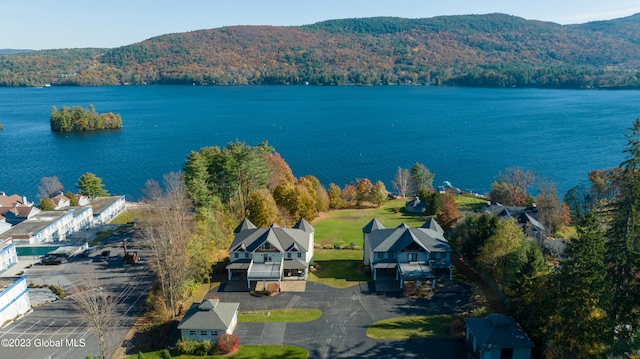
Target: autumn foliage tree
449	214
335	197
262	209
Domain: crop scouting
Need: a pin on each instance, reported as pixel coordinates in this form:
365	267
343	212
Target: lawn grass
345	226
338	268
297	315
415	327
244	352
126	216
470	203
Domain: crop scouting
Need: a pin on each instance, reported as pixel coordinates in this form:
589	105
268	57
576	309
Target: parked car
104	256
87	252
52	260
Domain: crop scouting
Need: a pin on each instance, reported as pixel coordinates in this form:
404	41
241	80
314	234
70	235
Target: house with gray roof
406	254
526	217
496	337
271	253
415	206
208	320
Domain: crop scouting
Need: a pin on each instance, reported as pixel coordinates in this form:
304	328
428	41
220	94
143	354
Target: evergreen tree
624	247
73	201
46	204
421	177
91	185
579	327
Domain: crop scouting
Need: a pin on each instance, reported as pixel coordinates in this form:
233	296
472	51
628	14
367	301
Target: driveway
346	314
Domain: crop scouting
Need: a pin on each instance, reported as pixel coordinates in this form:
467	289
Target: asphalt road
346	314
57	330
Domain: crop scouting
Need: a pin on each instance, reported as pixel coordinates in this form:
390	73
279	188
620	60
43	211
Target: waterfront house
271	253
526	217
60	201
406	254
415	206
496	337
106	208
208	320
15	208
46	226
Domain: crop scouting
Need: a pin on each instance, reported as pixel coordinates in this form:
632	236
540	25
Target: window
192	332
288	255
506	353
392	255
433	255
236	255
299	255
246	255
380	255
203	332
214	332
267	246
413	257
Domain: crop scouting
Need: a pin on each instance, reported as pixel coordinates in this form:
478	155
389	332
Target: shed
497	337
208	320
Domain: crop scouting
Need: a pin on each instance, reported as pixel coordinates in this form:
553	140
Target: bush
227	343
192	347
164	354
58	291
479	312
187	347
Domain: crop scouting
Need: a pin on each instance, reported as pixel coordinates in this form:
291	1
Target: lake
463	135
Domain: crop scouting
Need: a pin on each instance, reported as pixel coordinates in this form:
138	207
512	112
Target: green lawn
244	352
338	268
345	226
416	327
279	315
469	203
126	217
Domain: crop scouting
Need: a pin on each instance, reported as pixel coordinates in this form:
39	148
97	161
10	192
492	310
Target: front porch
265	272
389	270
295	269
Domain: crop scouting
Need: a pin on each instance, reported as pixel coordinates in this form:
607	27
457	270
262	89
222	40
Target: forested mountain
493	50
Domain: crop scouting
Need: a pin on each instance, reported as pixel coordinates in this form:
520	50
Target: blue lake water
463	135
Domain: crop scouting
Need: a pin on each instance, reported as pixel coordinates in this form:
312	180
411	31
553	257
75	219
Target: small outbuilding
415	206
208	320
497	337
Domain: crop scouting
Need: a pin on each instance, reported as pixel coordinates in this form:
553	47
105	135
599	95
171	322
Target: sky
47	24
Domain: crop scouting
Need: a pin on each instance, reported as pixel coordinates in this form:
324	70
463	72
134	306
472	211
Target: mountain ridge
491	50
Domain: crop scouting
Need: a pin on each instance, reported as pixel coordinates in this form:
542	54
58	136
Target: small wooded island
77	118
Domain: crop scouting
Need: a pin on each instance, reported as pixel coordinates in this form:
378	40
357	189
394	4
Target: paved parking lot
346	314
57	330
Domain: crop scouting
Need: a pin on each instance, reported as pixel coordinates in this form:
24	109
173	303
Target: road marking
24	332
